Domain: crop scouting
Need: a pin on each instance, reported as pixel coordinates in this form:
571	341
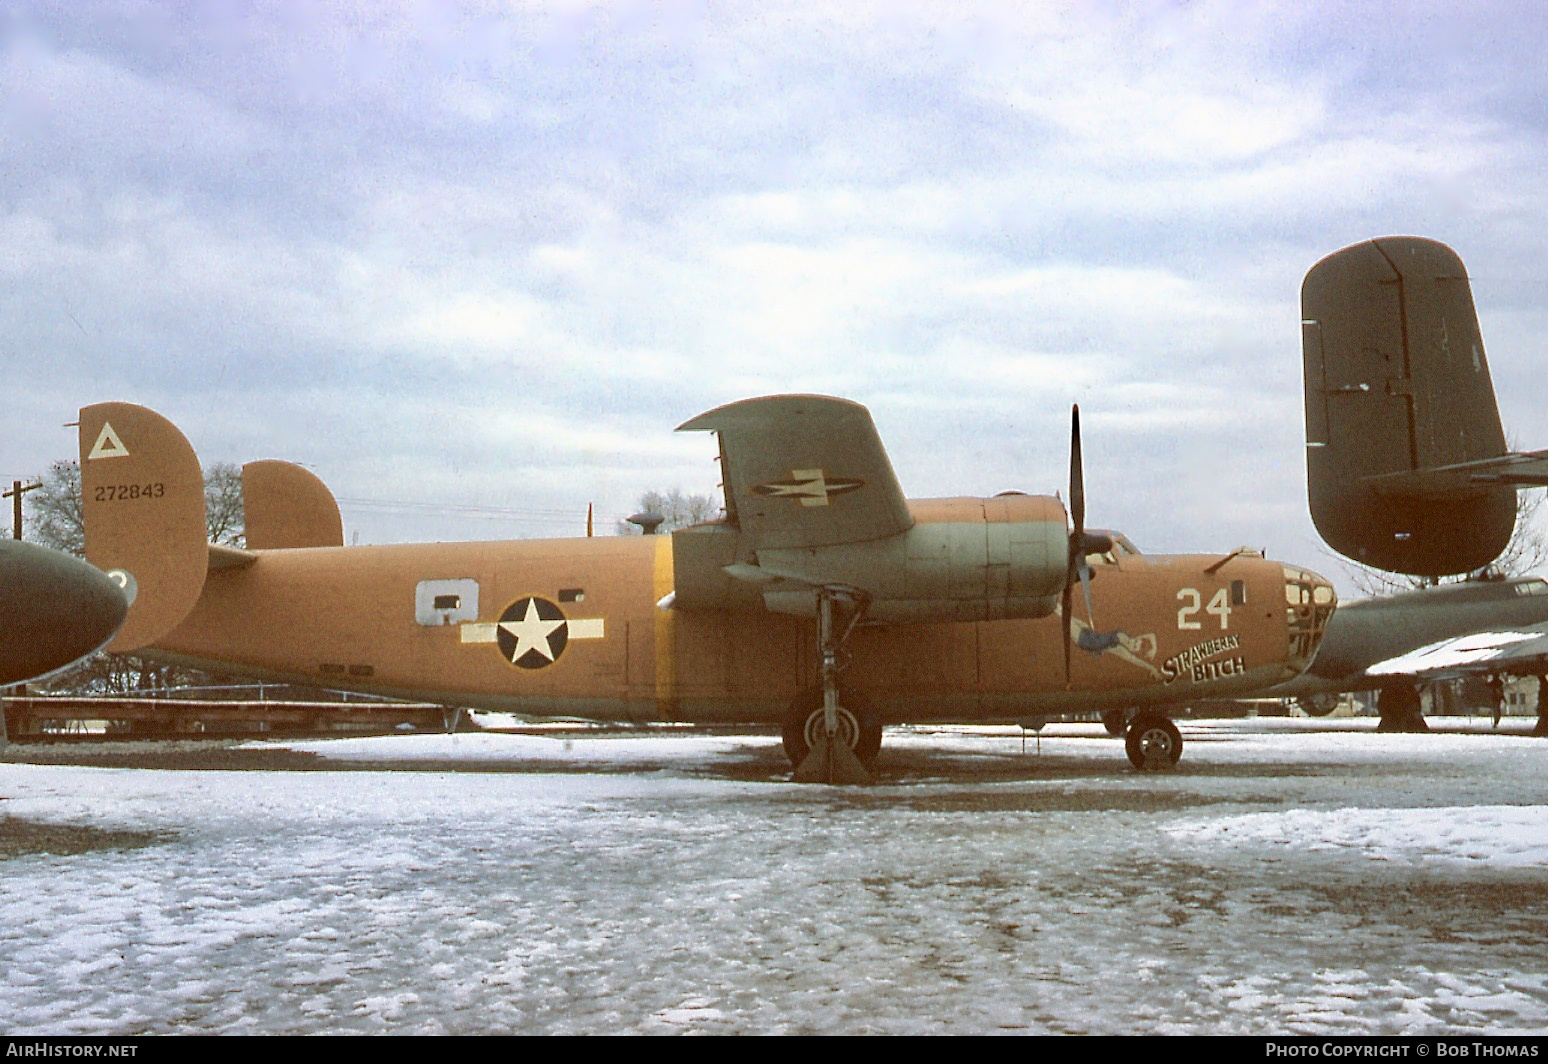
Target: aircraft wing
1516	650
805	471
1520	470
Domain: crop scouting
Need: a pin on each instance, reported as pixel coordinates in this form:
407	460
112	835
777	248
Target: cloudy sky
473	263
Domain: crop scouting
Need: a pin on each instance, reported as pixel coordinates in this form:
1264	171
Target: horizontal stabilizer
224	557
1527	469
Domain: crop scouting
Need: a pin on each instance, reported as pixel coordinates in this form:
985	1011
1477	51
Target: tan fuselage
370	619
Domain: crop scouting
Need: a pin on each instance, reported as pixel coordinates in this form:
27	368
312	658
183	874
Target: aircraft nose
54	610
1309	602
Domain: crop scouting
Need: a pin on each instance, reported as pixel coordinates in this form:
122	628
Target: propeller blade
1077	478
1077	533
1082	543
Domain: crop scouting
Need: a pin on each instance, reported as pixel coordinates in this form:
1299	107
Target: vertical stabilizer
143	504
288	506
1397	390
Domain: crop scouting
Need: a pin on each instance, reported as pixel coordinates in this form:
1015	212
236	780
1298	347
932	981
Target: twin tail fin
143	506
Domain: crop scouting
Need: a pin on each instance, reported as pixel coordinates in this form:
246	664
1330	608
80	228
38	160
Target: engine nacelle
963	560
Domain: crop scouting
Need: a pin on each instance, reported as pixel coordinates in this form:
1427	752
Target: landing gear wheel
1401	709
1114	720
1318	705
806	722
1153	742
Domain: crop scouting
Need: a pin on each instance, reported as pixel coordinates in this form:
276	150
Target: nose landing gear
1152	742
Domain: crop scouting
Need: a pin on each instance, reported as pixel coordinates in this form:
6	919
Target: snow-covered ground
1289	877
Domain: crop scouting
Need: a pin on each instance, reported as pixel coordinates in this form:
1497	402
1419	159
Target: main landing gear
833	735
1401	709
830	735
806	725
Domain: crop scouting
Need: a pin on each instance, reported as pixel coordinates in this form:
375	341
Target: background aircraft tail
1403	437
143	505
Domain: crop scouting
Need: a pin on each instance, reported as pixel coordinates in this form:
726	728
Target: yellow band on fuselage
666	633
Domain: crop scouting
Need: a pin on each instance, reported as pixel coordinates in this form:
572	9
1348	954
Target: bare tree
223	505
54	512
1527	552
679	510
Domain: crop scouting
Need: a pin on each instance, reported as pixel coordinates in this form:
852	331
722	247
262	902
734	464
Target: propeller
1082	542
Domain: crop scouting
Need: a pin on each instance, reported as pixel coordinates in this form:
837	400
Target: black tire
858	726
1152	741
1317	705
1401	709
1114	720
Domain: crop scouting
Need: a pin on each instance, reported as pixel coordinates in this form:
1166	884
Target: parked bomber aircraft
54	610
1396	642
823	601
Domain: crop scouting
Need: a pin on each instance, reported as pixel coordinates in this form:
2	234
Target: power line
488	513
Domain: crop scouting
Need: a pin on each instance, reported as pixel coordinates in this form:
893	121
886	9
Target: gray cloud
492	256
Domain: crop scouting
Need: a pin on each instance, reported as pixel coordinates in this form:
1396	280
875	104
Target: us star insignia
533	632
813	487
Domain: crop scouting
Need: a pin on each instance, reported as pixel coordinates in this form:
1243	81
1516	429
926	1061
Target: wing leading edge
1516	650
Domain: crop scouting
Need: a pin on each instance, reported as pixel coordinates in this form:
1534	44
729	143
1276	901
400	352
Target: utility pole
15	494
16	533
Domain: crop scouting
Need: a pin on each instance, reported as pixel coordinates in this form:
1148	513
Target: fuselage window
438	603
